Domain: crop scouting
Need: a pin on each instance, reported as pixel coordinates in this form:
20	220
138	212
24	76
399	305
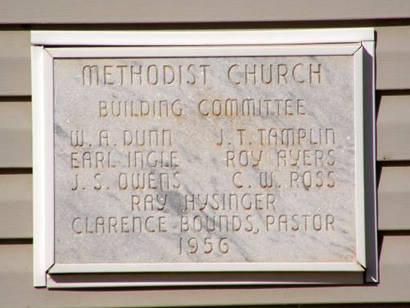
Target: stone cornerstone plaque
209	159
249	159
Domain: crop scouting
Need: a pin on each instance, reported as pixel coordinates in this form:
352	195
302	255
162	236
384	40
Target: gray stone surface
203	200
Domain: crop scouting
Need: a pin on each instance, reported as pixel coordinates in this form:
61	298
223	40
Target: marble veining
215	159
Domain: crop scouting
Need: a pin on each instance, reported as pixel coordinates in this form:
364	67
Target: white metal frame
48	45
43	163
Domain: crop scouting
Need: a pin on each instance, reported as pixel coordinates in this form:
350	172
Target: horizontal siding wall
392	57
16	219
188	11
393	127
393	141
15	63
15	134
394	198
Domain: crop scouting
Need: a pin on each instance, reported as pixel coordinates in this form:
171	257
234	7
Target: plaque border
47	45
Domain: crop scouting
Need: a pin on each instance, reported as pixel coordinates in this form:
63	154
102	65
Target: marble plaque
205	160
